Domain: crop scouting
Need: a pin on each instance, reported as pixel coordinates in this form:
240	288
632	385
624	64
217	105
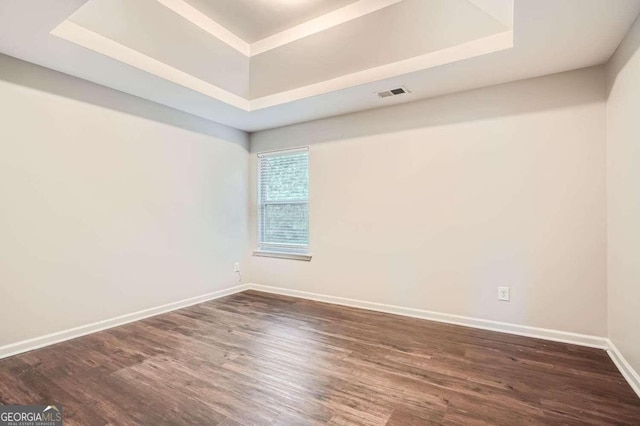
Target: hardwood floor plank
261	359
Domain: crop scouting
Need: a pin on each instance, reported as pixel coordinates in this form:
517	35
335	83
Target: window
283	204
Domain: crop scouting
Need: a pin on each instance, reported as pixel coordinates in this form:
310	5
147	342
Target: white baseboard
503	327
521	330
625	368
72	333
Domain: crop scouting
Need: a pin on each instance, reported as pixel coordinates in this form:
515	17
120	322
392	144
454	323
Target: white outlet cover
504	294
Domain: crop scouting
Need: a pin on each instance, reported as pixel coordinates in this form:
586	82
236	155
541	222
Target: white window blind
283	201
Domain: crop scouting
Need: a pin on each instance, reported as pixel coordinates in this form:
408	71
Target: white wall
109	204
434	204
623	197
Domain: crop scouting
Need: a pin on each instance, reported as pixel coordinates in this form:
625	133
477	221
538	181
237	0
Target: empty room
319	212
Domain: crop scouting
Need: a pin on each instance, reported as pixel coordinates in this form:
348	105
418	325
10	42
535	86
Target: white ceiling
180	63
252	20
166	37
405	30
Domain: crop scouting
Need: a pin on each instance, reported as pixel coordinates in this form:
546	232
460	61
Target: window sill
280	255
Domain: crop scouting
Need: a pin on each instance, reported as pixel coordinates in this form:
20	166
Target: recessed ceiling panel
405	30
253	20
381	39
153	30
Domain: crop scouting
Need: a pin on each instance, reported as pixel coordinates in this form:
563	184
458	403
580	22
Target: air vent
385	94
393	92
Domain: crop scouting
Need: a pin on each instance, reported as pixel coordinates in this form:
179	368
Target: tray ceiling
307	59
357	43
253	20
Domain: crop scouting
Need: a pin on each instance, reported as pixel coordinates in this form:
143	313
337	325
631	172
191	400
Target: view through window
283	201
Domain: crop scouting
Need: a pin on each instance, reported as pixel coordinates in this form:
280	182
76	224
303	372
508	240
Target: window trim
287	251
280	255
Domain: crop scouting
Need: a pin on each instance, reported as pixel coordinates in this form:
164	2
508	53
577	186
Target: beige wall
111	204
623	192
434	204
105	212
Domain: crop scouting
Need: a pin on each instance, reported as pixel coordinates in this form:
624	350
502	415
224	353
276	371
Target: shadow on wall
46	80
626	50
522	97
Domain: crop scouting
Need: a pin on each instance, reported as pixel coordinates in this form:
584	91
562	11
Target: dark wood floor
259	359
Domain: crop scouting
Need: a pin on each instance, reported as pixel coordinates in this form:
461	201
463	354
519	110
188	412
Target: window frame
280	250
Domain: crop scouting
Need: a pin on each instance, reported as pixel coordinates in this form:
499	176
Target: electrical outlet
236	267
503	294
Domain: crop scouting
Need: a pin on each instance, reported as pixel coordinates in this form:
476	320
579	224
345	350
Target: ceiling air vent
393	92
